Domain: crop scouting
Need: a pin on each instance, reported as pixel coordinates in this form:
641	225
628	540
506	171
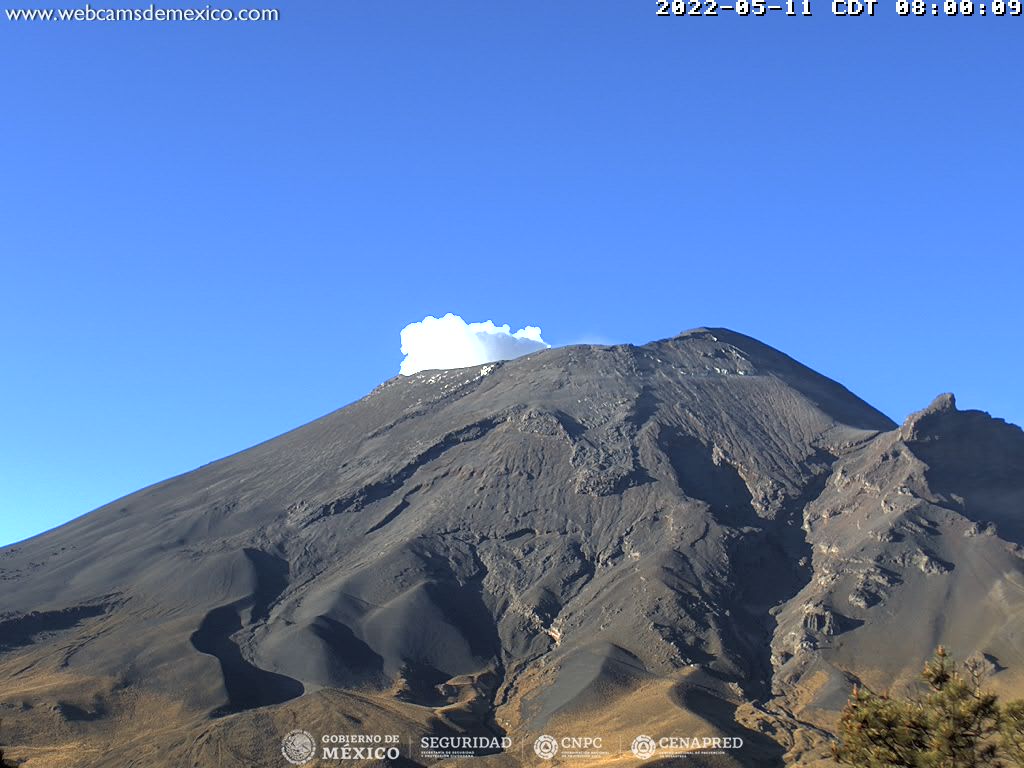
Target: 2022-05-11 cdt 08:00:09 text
680	8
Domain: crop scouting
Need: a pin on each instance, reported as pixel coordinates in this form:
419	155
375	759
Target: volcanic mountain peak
620	535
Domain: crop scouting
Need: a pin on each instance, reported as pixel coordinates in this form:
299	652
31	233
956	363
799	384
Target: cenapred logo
643	747
546	747
298	747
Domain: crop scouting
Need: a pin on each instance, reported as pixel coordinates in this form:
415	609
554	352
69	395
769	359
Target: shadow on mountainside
757	751
247	685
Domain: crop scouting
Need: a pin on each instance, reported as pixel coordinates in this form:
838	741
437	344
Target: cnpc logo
574	747
546	747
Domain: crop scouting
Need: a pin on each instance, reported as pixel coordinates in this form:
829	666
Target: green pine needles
954	724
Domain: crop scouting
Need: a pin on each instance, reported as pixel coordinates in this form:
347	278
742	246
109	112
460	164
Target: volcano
698	537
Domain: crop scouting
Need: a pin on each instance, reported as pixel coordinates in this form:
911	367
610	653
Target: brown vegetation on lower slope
700	533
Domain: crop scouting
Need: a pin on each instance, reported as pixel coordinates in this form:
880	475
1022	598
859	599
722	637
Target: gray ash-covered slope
917	542
684	535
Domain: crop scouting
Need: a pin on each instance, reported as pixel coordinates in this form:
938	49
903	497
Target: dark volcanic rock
521	546
906	534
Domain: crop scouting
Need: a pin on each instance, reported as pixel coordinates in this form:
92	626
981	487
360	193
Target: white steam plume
451	342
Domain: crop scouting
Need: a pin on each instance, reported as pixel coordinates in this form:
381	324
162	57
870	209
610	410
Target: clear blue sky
214	233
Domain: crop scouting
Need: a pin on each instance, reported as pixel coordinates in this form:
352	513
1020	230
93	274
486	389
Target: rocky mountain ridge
699	535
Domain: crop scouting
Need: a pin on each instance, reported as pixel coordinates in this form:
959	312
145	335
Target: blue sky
214	233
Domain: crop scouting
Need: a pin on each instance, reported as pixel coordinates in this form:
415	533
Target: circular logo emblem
298	747
644	747
546	747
